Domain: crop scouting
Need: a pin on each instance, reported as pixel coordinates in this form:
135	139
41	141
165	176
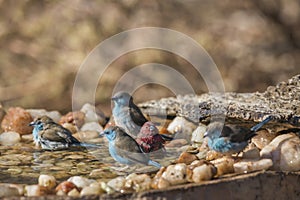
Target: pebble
47	181
186	158
92	126
70	127
8	191
138	183
252	153
74	193
245	166
93	114
175	174
17	120
91	190
224	165
80	181
117	183
65	187
198	134
203	173
284	151
176	143
35	190
75	118
10	138
263	138
182	128
55	115
27	138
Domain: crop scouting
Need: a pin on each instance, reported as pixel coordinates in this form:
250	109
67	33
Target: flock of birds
134	137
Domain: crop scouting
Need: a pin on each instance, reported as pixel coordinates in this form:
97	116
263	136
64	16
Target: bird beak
152	128
31	123
114	98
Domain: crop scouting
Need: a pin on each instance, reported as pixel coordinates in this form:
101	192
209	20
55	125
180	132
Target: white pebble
47	181
198	134
175	174
34	190
81	182
252	165
55	115
90	113
91	190
202	173
117	183
92	126
10	138
284	150
74	193
138	182
180	124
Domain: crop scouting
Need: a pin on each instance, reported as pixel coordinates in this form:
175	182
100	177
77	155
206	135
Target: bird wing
50	134
136	115
59	134
240	134
127	147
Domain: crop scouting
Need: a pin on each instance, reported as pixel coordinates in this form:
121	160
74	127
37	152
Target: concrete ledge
257	185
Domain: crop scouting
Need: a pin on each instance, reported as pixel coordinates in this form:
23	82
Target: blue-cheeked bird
52	136
230	138
124	149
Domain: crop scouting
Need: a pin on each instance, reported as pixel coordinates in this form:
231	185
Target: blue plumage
230	139
124	149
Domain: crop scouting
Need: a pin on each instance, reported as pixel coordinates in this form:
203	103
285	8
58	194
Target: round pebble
17	120
92	126
47	181
175	174
80	181
55	115
9	138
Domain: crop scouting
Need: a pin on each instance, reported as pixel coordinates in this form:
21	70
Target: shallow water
23	163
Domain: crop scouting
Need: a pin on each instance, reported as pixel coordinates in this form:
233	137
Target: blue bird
124	149
52	136
128	115
230	138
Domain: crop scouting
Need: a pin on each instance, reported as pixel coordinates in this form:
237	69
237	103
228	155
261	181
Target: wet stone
284	151
8	191
9	138
17	120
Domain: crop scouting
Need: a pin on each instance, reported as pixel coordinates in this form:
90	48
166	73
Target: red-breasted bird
149	138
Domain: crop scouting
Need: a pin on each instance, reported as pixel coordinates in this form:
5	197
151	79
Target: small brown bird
52	136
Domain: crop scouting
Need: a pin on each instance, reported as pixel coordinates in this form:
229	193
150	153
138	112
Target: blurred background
254	43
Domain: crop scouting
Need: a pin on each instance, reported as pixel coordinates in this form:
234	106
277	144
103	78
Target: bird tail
153	163
262	123
166	137
87	145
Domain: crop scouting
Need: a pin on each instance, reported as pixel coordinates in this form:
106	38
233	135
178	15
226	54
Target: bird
149	138
230	138
128	115
124	149
52	136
